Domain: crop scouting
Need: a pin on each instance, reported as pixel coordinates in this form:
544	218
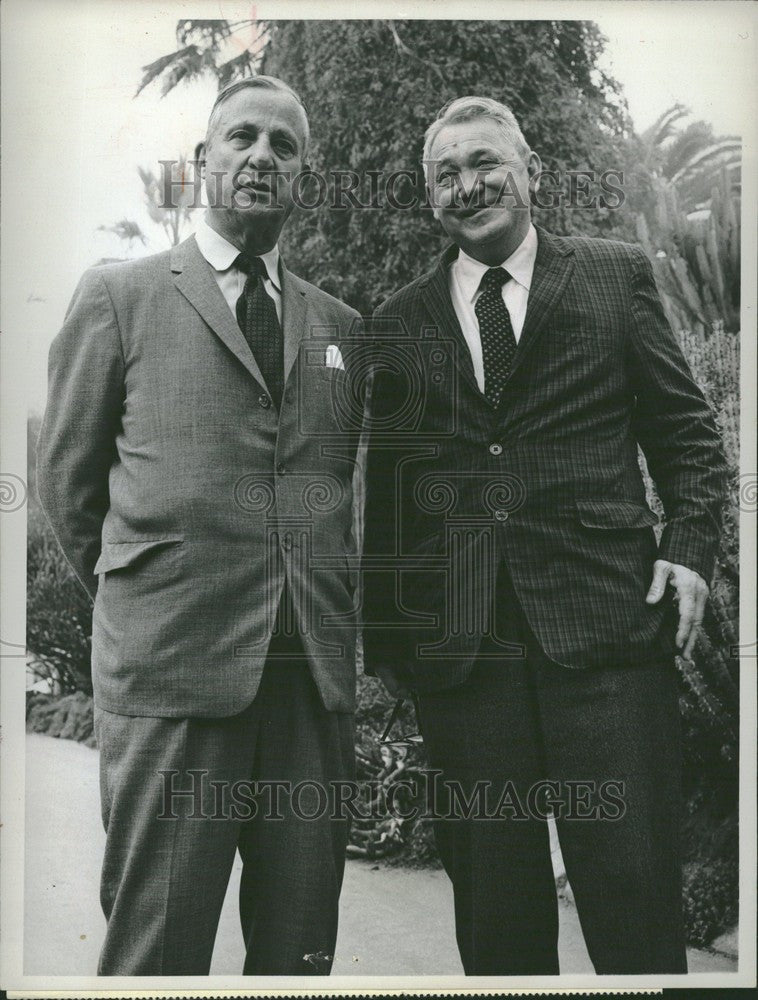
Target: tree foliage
206	46
696	255
372	88
686	153
170	200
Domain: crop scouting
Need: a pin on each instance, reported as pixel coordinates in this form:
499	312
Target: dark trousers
168	857
518	722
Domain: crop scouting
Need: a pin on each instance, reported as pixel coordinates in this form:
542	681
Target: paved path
394	921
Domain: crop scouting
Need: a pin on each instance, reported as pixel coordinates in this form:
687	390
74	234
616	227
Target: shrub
709	692
58	613
696	257
68	717
408	842
710	901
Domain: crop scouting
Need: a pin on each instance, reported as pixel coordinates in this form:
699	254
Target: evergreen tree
372	88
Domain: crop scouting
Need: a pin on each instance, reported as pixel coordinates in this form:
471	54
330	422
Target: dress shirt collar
520	266
221	254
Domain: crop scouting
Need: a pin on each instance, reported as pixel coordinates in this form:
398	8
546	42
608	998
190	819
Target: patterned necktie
496	333
256	315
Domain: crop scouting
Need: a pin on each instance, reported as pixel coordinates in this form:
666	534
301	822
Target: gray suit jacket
182	499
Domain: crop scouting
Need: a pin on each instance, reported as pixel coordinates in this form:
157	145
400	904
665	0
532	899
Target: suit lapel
193	278
436	297
294	317
552	269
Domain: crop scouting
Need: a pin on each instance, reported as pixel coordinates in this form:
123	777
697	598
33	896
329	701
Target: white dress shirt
465	278
221	254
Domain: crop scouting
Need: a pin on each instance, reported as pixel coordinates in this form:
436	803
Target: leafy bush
58	609
710	901
696	256
709	683
409	842
69	717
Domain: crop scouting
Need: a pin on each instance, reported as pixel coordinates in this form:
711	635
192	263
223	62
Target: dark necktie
256	315
496	332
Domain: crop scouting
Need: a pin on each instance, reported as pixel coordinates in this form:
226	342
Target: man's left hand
691	594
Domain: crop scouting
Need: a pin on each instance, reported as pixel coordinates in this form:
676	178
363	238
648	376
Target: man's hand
392	680
691	595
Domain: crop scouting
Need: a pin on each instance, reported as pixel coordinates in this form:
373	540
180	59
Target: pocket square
333	357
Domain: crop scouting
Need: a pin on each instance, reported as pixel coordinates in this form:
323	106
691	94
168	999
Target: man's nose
471	187
261	155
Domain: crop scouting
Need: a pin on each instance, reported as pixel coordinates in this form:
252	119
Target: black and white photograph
378	494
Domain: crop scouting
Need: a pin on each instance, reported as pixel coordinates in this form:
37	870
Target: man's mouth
256	193
257	187
468	212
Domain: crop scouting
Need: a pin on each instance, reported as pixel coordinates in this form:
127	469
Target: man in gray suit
197	473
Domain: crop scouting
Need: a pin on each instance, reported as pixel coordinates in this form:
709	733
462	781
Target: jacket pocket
120	555
615	514
332	373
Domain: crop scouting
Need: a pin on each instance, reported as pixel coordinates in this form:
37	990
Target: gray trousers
172	833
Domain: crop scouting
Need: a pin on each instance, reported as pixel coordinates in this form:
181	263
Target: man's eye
284	149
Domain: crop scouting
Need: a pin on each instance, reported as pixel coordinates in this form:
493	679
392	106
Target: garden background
371	88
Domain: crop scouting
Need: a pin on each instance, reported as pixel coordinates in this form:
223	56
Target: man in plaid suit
512	575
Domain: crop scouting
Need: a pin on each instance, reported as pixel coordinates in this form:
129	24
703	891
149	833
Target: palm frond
663	127
209	32
236	68
729	148
126	230
186	57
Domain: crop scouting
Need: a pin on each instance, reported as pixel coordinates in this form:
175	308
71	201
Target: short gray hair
465	109
251	83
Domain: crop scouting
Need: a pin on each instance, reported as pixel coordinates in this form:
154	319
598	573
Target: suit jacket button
496	449
501	515
264	401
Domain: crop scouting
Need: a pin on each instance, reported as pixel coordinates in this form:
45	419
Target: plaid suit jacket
547	483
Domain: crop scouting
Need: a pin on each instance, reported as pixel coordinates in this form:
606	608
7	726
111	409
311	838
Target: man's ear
200	156
534	169
432	202
431	198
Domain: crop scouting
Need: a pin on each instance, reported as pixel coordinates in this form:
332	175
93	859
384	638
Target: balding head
258	83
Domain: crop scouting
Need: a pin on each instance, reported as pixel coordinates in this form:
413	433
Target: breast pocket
340	401
331	373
